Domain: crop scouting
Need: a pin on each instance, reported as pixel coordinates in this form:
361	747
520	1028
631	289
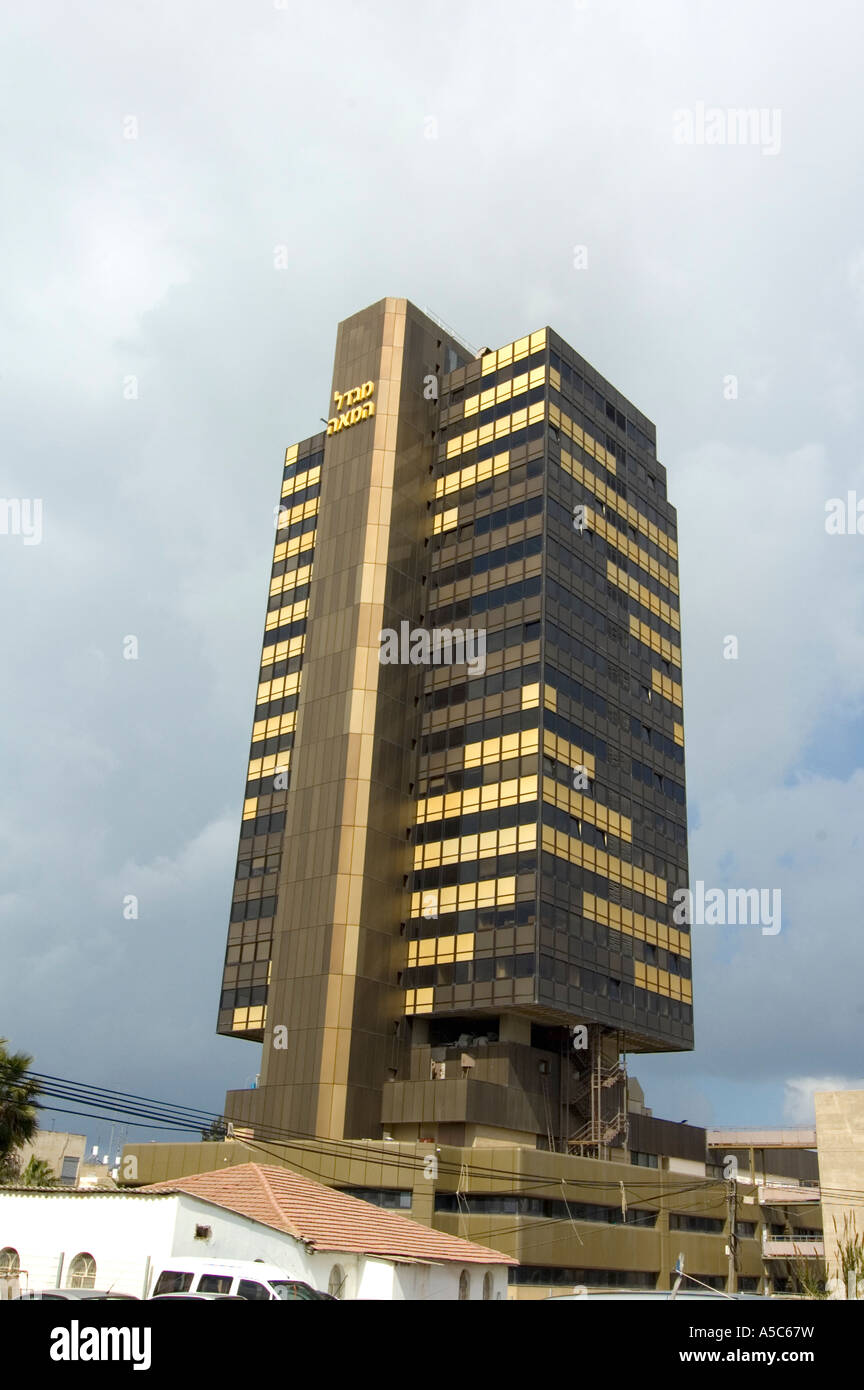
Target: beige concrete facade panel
344	855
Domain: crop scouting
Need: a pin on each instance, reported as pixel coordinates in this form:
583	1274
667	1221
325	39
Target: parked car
252	1280
72	1294
201	1297
291	1289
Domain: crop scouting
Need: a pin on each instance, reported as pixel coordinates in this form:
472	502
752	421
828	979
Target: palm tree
18	1118
38	1173
849	1255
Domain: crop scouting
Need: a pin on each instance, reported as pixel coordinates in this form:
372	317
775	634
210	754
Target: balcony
793	1248
761	1138
775	1194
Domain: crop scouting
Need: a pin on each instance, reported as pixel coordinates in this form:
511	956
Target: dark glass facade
551	827
246	975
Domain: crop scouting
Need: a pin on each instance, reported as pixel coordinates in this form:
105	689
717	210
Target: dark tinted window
173	1281
214	1283
250	1290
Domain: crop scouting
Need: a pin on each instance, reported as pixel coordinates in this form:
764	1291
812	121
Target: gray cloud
153	258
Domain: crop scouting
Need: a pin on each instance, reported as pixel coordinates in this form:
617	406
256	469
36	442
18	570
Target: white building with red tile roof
248	1212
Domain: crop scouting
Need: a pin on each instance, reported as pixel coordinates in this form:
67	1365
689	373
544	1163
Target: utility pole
732	1247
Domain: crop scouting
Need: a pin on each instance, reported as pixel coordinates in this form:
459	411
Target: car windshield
287	1288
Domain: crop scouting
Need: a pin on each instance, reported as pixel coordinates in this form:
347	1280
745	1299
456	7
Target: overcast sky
196	193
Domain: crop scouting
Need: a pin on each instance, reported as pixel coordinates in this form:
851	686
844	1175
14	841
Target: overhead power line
148	1113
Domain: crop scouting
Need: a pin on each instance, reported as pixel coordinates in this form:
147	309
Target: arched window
464	1285
336	1282
10	1267
82	1272
487	1286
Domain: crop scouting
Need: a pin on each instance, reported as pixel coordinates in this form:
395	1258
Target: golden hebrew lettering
352	397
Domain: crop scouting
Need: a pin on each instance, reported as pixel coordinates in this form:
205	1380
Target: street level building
620	1221
260	1215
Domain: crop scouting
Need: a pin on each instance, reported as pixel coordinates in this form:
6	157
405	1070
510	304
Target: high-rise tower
464	817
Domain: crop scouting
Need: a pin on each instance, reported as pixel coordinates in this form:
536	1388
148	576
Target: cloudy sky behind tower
196	193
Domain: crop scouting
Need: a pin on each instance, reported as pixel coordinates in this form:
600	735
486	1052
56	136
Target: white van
249	1279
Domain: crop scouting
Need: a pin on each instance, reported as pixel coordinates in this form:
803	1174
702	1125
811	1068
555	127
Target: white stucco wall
48	1230
236	1238
437	1283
